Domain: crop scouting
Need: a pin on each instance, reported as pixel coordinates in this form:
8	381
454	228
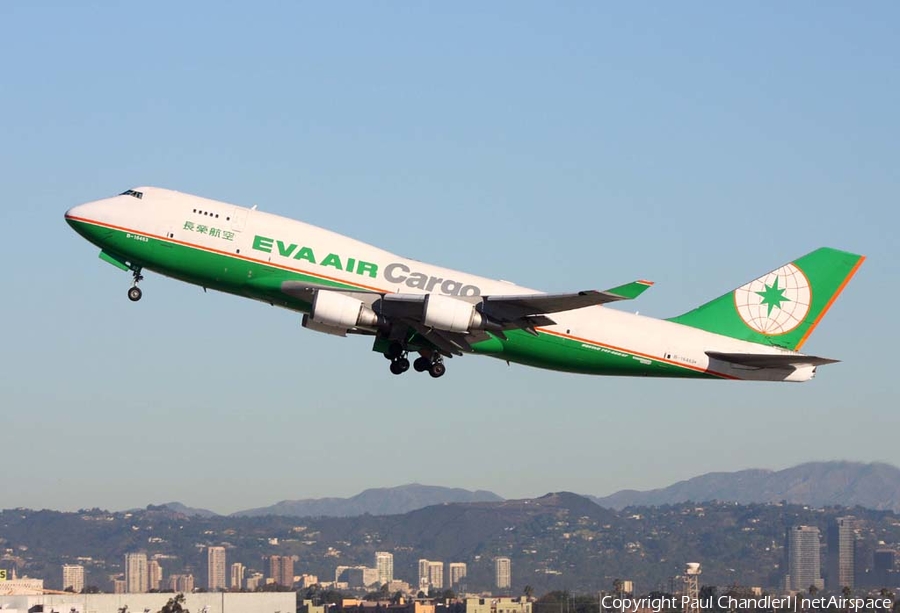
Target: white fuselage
285	244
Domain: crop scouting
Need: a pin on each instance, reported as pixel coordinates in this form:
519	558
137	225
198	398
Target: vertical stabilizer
782	307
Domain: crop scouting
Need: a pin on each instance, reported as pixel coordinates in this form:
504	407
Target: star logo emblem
772	296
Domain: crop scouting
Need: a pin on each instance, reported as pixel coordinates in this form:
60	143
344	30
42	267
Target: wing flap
770	360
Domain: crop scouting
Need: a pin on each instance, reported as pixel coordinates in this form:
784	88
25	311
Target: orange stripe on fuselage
636	353
226	253
382	291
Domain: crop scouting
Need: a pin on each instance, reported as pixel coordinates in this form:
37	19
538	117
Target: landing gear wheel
422	364
135	293
399	366
437	370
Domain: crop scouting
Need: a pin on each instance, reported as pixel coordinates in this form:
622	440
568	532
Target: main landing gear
398	355
134	292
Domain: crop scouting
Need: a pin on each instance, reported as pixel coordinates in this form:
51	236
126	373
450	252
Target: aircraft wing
523	311
515	307
769	360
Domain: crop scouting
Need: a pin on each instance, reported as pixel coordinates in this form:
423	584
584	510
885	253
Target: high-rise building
883	567
118	586
281	570
181	583
804	562
436	575
154	575
457	573
215	558
423	574
841	560
384	562
237	576
275	569
287	571
137	581
502	573
73	577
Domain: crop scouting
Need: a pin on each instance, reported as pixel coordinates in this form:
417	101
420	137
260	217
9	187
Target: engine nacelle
309	324
331	308
446	313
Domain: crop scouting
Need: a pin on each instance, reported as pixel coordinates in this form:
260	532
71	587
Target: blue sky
562	147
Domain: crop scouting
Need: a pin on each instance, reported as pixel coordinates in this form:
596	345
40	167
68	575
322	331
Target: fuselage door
239	218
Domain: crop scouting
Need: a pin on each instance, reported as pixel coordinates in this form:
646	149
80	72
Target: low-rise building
498	605
22	586
210	602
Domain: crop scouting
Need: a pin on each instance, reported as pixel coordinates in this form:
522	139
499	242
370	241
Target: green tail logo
782	307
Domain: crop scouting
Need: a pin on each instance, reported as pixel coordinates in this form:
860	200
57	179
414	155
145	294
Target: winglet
632	290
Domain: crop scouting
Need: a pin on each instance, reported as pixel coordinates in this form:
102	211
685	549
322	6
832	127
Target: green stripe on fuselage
555	352
262	281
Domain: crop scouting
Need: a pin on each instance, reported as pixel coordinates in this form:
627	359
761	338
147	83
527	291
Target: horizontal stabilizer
770	360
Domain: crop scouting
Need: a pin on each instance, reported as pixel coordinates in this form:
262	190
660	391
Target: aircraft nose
75	213
84	218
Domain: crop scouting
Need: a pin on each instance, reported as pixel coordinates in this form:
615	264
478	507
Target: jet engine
340	311
446	313
309	324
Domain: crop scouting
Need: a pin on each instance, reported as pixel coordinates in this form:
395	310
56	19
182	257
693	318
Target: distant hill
376	501
177	507
817	484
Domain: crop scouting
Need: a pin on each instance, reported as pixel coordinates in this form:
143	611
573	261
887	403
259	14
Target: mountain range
374	501
817	484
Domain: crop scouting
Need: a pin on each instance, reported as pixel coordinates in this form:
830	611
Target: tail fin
782	307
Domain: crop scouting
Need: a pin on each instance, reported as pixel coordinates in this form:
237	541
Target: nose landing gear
134	292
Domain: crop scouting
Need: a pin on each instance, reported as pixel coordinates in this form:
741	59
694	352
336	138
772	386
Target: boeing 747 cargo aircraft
343	286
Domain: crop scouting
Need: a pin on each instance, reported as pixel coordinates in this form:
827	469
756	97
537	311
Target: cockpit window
132	193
